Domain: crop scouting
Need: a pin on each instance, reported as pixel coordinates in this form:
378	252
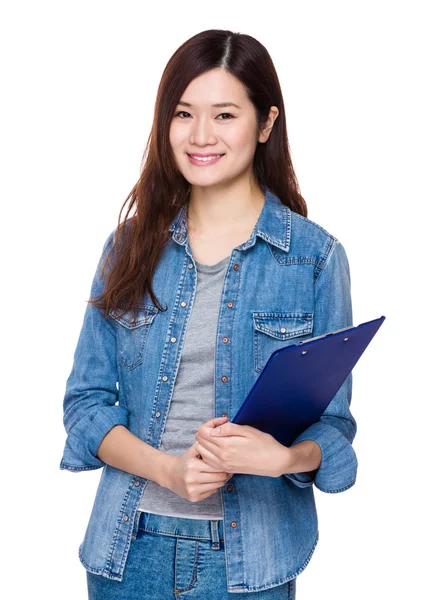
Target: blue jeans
172	556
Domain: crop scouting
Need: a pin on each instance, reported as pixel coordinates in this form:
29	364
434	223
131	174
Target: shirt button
230	488
158	414
132	320
165	378
125	517
173	339
225	340
233	524
183	304
230	305
137	483
224	379
190	266
224	415
283	330
236	267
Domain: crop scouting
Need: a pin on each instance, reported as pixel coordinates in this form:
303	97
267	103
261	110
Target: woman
226	244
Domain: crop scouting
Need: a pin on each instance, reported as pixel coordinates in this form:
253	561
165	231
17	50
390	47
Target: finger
214	422
228	429
206	429
211	444
209	457
205	466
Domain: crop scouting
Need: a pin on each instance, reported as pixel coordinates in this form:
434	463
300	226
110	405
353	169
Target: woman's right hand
190	477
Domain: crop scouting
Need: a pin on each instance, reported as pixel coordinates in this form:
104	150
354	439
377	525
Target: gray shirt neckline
202	268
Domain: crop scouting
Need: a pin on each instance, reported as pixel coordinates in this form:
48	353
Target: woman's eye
183	112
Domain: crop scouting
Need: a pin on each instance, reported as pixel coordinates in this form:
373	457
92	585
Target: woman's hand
190	477
236	448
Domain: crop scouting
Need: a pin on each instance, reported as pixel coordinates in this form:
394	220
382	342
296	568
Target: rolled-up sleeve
90	408
336	429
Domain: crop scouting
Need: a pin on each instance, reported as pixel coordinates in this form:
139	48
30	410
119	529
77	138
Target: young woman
218	267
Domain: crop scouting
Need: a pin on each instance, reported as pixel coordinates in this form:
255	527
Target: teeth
205	158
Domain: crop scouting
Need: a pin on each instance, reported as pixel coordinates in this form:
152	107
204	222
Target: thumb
215	422
219	420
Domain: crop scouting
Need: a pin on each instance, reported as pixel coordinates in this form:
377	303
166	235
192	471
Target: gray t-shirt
193	399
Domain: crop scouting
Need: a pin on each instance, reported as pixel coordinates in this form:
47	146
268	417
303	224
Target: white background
79	82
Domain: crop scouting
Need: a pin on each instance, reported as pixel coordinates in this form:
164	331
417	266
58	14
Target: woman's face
202	128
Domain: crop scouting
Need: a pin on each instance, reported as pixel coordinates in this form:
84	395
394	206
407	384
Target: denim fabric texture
174	557
290	274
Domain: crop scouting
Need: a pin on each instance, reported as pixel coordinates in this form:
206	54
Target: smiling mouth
205	155
205	159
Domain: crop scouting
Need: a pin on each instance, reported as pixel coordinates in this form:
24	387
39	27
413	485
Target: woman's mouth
204	161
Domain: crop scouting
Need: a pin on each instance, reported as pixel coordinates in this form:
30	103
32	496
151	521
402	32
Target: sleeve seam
327	260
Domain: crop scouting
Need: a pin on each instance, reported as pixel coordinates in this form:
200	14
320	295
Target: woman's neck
212	216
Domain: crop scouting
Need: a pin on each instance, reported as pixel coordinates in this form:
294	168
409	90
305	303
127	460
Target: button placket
170	360
224	378
222	399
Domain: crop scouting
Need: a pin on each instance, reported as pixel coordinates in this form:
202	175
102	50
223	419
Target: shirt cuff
338	467
85	437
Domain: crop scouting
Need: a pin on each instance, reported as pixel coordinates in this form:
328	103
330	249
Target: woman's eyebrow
217	105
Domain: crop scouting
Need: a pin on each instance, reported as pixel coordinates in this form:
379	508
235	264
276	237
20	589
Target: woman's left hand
241	449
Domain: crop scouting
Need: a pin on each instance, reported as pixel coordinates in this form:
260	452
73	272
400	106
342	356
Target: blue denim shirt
290	274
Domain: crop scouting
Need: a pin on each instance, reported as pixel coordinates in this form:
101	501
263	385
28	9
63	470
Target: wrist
164	469
153	464
287	460
303	457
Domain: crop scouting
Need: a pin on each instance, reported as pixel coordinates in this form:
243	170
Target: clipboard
299	381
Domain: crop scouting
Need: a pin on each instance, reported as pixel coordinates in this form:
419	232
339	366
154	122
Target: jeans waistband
197	529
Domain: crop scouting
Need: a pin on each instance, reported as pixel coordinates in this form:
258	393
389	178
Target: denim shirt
288	282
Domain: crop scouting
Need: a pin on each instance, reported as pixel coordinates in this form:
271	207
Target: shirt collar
273	224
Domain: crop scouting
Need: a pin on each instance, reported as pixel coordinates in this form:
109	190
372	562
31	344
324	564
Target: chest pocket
274	330
132	333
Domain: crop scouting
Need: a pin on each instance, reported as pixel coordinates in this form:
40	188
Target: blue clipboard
299	381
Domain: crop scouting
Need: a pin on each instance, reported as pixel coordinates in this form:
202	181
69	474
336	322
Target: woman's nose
202	132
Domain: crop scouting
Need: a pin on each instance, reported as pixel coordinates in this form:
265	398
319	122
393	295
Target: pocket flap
283	326
144	316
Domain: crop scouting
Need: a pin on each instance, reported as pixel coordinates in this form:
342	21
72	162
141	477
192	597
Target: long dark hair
161	189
